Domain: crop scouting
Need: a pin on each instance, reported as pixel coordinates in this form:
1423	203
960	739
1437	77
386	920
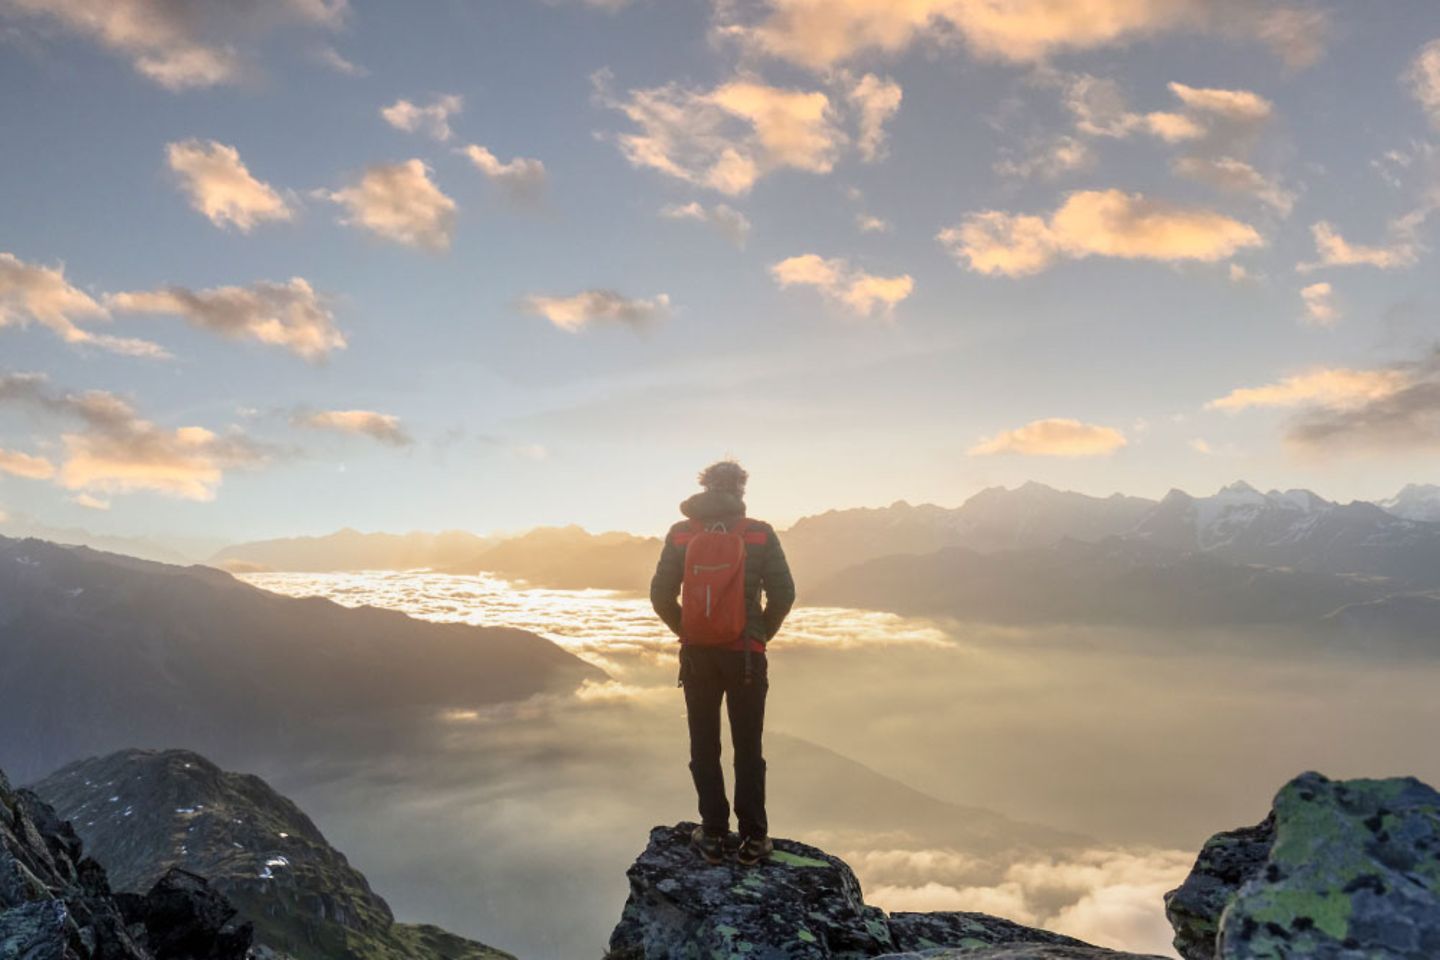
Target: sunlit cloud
867	223
181	45
876	99
1335	251
864	294
1054	437
1106	223
400	202
31	293
1423	78
1337	388
116	451
1229	175
575	313
289	315
822	33
90	501
221	187
1237	105
1047	158
522	178
328	56
728	137
1320	308
25	465
383	427
433	119
727	221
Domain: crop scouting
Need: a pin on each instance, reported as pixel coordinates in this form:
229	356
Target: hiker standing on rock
719	562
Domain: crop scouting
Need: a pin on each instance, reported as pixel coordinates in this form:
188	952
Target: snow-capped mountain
1418	501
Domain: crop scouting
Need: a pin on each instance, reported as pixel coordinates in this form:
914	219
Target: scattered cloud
1235	105
400	202
181	45
575	313
432	120
1320	309
876	99
328	56
90	501
522	179
25	465
1054	437
31	293
1335	251
729	137
731	223
866	223
1107	223
221	187
113	450
1337	388
1424	79
1229	175
1220	120
820	34
1048	159
384	427
864	294
289	315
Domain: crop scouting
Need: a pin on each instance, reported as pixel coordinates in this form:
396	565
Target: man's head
725	476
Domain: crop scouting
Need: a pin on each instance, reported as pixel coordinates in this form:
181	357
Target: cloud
400	202
876	99
820	34
114	450
1335	251
1225	119
181	45
1336	388
30	293
432	120
1048	159
522	179
1229	175
1106	223
289	315
867	223
577	312
1235	105
90	501
864	294
1424	79
384	427
729	222
221	187
25	465
1055	437
1320	309
328	56
729	137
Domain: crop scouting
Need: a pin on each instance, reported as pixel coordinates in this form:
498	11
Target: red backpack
712	599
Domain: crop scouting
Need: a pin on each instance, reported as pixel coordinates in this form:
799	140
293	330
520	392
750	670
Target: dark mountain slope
103	651
352	550
142	813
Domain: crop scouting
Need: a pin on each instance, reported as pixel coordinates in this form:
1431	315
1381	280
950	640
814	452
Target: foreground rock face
145	812
801	904
56	904
1341	870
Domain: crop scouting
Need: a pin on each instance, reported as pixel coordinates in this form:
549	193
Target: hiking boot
754	849
711	846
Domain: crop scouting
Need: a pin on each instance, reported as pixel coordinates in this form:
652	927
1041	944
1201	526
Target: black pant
710	675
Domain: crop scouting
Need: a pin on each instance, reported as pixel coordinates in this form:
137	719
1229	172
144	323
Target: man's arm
665	585
779	587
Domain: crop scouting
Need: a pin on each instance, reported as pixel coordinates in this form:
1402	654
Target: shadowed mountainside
103	652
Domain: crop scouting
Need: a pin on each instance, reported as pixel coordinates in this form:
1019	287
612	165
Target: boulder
1341	870
801	904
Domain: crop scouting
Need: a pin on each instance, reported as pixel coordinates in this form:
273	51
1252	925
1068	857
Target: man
725	561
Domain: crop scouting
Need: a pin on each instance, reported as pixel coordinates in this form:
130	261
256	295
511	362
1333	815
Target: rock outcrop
802	904
145	812
56	903
1340	870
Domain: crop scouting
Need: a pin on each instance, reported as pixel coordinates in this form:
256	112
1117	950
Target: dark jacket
766	571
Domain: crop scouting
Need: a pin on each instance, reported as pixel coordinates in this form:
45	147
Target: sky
282	266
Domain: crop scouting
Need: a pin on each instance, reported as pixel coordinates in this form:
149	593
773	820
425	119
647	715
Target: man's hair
726	475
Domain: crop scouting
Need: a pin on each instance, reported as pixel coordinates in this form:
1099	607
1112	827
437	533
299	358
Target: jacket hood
711	505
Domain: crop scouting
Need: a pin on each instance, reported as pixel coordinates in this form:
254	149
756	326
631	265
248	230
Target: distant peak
1240	487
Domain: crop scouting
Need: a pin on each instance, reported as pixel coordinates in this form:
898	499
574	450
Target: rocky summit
145	812
801	904
56	903
1340	870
